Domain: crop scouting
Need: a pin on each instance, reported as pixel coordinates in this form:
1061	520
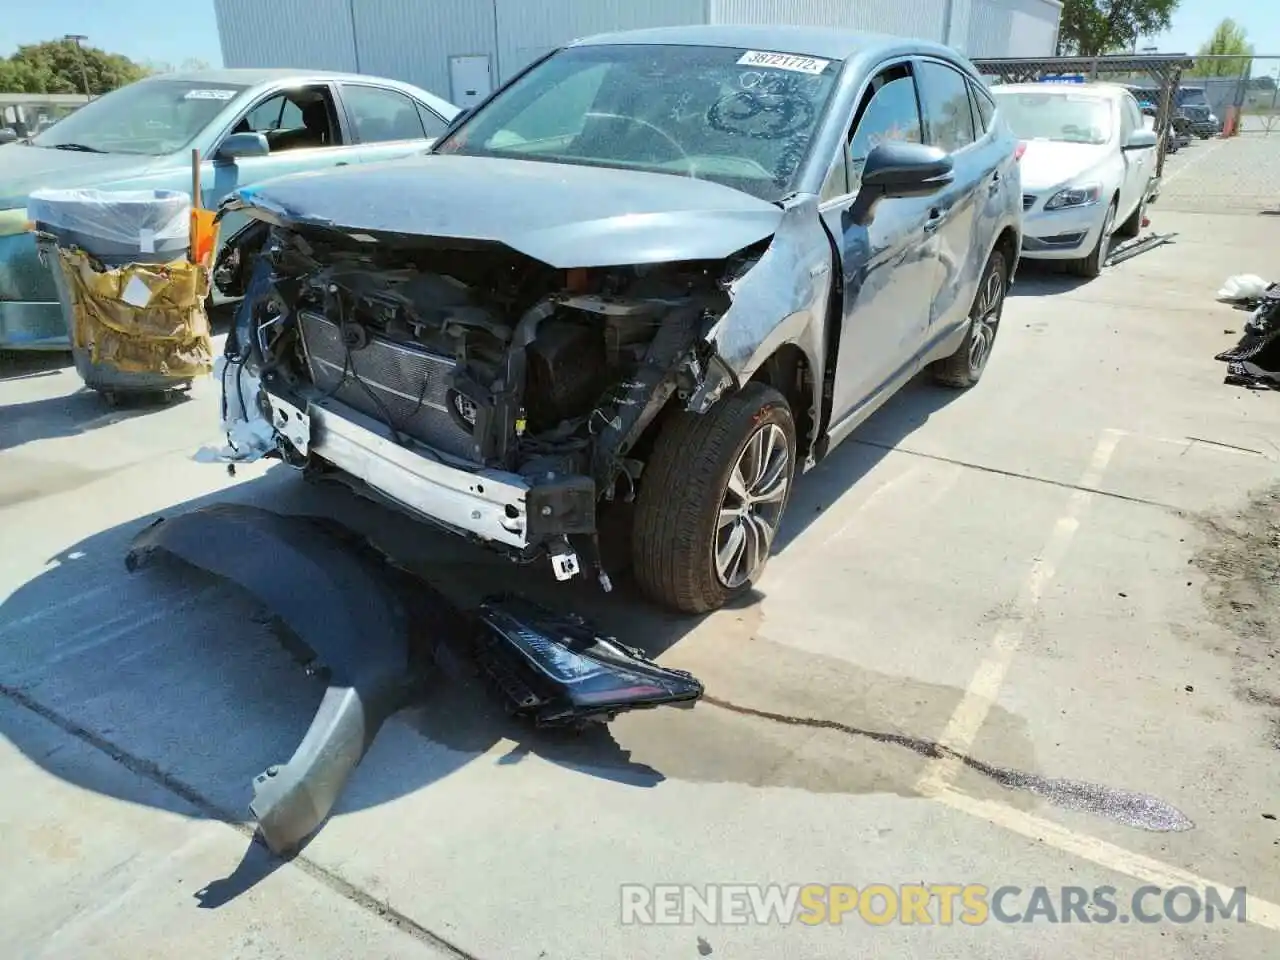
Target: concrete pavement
1036	574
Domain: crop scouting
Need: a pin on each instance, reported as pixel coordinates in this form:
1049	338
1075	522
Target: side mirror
243	145
8	135
897	170
1141	140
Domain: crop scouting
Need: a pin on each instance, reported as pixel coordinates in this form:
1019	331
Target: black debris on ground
1254	362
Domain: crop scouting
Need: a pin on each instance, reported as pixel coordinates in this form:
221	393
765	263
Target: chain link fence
1243	92
1234	104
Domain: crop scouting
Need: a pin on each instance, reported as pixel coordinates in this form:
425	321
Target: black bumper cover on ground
335	595
372	627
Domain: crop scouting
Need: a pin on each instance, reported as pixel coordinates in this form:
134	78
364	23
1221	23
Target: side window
302	118
1130	116
432	124
984	107
948	117
381	115
889	112
837	182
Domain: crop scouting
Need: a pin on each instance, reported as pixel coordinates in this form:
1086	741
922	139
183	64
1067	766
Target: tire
964	368
685	490
1091	266
1133	226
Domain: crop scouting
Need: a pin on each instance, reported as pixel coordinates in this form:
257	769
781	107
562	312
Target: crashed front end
473	385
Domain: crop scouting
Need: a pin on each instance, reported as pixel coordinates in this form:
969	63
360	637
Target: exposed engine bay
476	357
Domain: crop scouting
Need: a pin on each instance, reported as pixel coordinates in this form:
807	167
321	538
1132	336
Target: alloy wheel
985	321
752	506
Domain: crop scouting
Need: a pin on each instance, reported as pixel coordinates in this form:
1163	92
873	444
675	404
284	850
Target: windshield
151	118
1065	117
1192	95
737	117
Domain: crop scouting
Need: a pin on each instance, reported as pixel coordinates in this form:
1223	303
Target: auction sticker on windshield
783	61
209	94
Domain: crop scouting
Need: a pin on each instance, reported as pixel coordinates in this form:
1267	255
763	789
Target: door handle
934	221
342	163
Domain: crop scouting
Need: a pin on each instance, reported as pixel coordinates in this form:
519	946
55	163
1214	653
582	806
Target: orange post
203	229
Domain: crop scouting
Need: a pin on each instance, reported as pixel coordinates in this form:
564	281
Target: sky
174	32
168	32
1194	20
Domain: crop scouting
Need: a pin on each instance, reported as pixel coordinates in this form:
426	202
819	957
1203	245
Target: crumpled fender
334	593
783	298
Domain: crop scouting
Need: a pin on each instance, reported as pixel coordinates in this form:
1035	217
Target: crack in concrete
1066	485
379	909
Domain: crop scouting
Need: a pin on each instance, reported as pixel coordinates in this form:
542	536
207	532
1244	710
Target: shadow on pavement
33	364
71	415
179	671
1038	278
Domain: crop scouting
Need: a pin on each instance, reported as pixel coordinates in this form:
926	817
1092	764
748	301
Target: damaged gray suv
657	273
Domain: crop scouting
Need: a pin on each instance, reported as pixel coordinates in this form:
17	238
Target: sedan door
388	123
889	266
1139	165
303	130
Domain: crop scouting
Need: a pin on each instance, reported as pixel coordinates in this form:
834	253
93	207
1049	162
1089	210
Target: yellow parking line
1261	912
984	687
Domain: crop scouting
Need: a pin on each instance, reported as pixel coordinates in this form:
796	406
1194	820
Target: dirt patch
1241	558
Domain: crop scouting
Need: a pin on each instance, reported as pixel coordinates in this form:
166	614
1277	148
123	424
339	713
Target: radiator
410	384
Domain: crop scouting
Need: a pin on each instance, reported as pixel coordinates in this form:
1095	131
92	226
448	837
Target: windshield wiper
79	147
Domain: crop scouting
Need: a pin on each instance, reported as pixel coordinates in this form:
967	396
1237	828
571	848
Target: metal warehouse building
459	49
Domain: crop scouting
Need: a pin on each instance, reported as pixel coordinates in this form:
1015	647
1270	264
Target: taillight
1019	150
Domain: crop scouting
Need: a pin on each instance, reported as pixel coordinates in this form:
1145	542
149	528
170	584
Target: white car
1087	171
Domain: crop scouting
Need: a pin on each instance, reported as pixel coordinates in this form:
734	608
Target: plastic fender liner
338	597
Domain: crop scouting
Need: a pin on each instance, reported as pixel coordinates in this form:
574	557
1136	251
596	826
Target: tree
1229	39
1091	28
55	67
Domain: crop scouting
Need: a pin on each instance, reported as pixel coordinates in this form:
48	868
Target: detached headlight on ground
1078	196
559	670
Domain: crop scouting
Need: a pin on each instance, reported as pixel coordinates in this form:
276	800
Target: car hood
25	168
1050	163
565	215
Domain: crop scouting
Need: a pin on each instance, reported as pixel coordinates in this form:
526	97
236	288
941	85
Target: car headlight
1079	196
1213	118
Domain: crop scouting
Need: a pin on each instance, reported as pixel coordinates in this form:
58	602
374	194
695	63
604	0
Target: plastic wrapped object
1243	289
139	326
138	225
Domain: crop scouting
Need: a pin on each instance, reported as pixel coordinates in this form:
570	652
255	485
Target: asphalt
1024	574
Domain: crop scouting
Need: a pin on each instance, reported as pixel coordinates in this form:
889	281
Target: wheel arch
790	371
1009	244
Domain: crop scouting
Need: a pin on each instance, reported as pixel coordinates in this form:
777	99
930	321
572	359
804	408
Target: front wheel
711	500
1133	226
1091	266
964	367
